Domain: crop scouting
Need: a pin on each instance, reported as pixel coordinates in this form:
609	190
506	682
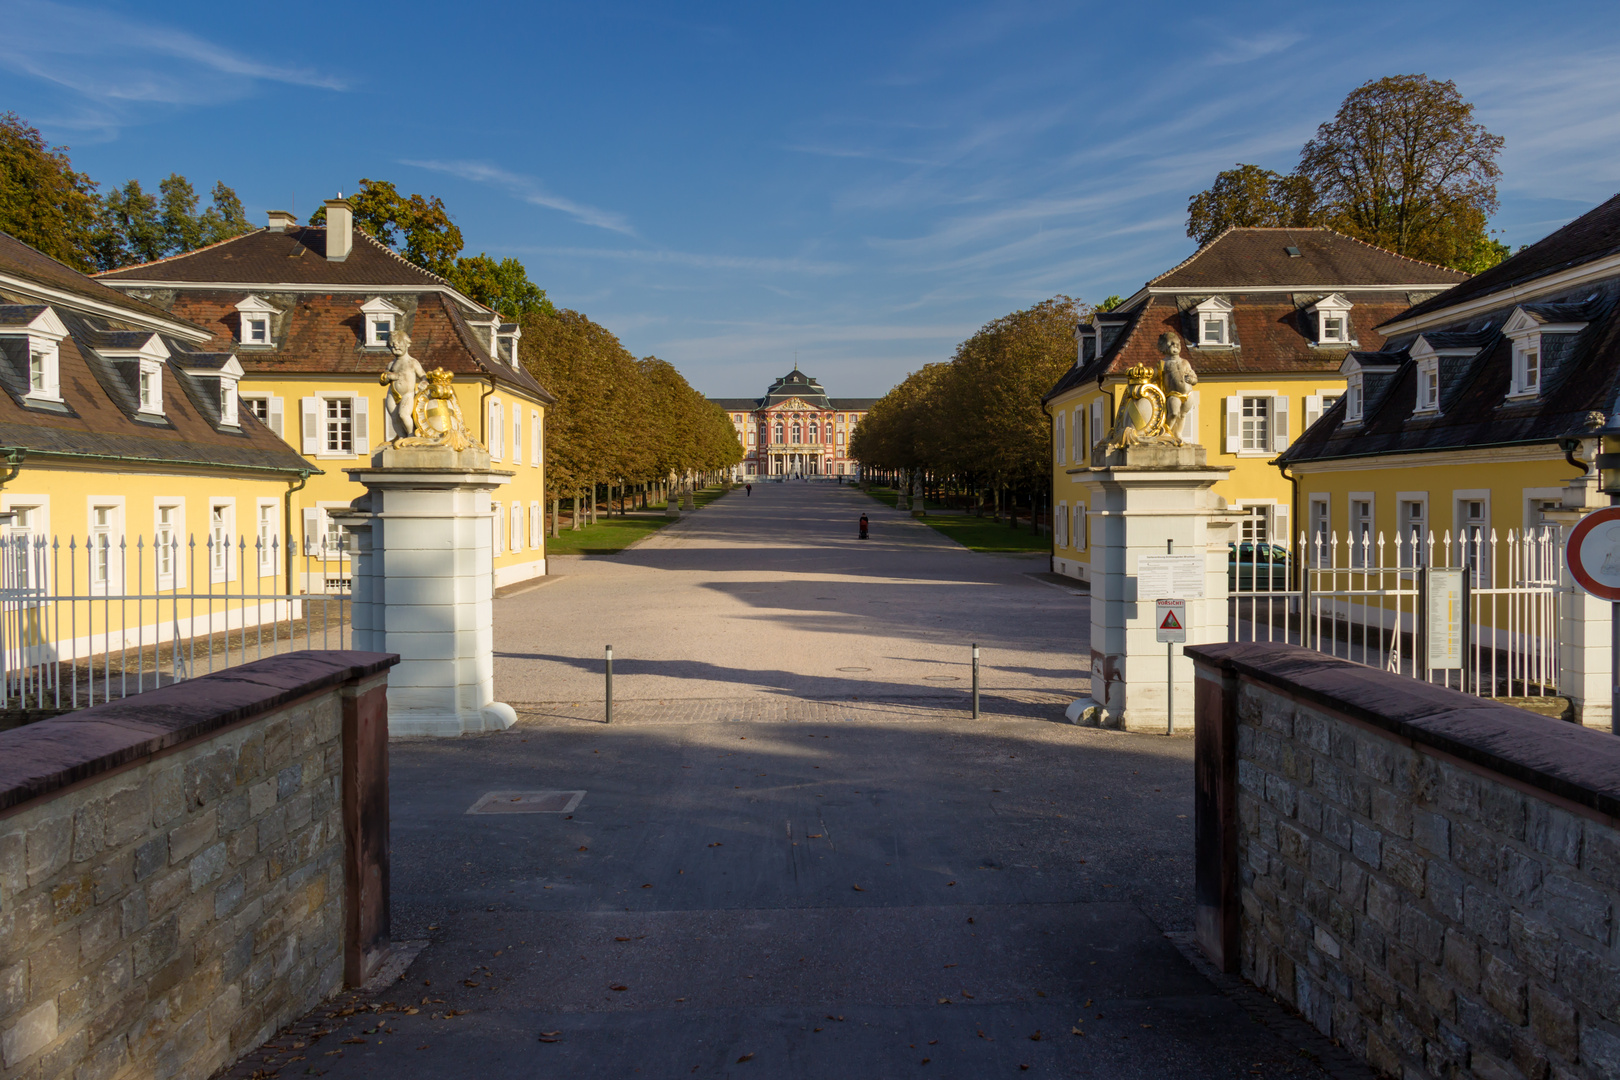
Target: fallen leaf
815	1029
646	886
1040	993
546	1040
830	1016
422	1047
550	1034
582	847
1077	1031
468	982
926	1060
360	1041
815	836
618	988
1023	1068
944	1001
1037	1037
985	1037
967	995
745	1057
1087	1005
621	939
1147	1025
950	965
948	884
411	1010
717	844
857	888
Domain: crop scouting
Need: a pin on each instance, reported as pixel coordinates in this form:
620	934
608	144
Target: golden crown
1139	373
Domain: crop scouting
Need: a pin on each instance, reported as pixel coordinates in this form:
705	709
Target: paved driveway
782	869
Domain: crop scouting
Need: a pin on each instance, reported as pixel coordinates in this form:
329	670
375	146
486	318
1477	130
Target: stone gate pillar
423	585
1141	496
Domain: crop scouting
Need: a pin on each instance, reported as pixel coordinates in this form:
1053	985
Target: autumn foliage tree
1402	165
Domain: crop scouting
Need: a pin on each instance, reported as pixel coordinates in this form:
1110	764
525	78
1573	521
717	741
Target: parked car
1252	567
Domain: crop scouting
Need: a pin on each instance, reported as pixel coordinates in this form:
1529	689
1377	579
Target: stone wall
173	871
1430	878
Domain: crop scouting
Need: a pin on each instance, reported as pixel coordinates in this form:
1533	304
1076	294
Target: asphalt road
777	869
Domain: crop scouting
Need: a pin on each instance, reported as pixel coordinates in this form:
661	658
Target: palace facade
796	429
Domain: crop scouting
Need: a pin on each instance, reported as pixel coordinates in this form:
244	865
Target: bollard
975	680
610	684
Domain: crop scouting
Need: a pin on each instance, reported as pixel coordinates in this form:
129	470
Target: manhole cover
942	678
854	669
527	802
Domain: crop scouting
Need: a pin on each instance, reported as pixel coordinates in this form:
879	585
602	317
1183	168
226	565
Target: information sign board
1593	553
1170	619
1169	575
1444	619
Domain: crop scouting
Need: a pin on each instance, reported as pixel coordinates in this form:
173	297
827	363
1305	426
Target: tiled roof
853	404
1592	236
99	415
736	404
1579	378
1257	258
19	259
294	257
322	333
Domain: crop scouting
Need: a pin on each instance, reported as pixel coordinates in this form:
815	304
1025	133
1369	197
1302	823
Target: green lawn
611	535
974	533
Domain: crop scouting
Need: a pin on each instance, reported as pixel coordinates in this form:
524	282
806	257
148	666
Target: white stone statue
404	378
1177	378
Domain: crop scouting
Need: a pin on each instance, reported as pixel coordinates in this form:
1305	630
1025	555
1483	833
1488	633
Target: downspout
483	412
14	458
286	523
1293	522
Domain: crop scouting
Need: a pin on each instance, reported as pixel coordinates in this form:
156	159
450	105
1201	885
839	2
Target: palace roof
1261	258
795	385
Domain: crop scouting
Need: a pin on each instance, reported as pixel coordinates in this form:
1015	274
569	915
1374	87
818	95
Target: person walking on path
748	490
863	526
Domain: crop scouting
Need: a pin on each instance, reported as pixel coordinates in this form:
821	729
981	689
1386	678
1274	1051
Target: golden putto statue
1154	406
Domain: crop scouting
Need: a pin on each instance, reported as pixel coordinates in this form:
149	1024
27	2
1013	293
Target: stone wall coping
53	754
1555	756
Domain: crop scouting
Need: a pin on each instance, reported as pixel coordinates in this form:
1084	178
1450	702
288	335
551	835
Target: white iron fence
1385	604
91	619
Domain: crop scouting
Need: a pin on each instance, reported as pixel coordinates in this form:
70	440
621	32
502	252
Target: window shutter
276	421
1057	437
534	524
517	436
1060	523
1081	524
1313	411
1099	427
498	512
1082	448
362	426
534	437
313	531
517	526
1279	430
495	430
1189	427
311	408
1234	424
1279	527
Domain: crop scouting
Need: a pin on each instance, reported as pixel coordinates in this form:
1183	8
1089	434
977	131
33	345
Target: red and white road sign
1593	553
1170	617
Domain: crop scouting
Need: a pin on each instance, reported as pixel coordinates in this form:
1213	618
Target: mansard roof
294	257
1253	258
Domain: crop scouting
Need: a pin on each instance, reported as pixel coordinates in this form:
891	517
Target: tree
43	201
1401	165
418	227
1248	196
138	227
504	286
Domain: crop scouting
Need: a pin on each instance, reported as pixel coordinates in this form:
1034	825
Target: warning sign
1170	616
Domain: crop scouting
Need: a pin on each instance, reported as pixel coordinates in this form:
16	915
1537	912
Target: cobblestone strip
999	706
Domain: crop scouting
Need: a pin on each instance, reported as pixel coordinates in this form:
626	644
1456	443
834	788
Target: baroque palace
796	429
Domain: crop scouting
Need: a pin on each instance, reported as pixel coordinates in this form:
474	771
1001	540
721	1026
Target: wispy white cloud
530	191
695	260
120	61
1242	49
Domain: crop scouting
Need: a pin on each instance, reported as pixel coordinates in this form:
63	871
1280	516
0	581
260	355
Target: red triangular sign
1170	621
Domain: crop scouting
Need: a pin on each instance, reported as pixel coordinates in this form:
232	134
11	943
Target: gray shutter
1189	426
362	426
311	408
1279	421
277	421
1313	411
313	533
1234	424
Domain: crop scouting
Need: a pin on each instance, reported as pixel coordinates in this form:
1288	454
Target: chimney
339	229
281	221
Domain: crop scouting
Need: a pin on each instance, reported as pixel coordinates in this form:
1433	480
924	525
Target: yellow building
310	313
130	467
1476	421
1266	317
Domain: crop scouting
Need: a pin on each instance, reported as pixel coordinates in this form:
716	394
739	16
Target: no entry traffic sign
1170	618
1593	553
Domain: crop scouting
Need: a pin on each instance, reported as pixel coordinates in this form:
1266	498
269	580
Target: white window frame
1237	442
1355	393
1254	429
314	411
1263	511
105	549
229	403
221	564
1217	312
37	526
1327	309
375	313
1526	333
1461	523
41	338
1361	530
267	544
1406	555
274	410
175	576
1428	386
250	310
1319	538
149	387
1532	513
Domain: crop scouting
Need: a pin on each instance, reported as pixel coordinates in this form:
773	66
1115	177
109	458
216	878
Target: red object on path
863	526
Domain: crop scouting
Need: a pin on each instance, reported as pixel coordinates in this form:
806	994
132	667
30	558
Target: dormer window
1214	322
1527	365
1332	320
381	319
32	336
1353	400
1527	328
1428	387
256	328
228	400
44	372
149	386
221	375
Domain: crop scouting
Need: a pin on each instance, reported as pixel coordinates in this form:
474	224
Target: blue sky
726	185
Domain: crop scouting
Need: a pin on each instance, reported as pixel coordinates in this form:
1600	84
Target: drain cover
527	802
854	669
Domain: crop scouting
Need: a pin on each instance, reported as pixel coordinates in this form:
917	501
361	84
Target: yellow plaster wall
1252	476
527	486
